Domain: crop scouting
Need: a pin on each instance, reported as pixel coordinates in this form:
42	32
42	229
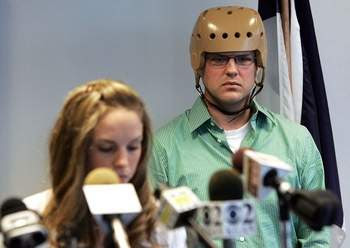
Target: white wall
49	47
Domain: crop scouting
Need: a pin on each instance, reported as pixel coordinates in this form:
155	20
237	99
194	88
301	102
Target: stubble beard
229	105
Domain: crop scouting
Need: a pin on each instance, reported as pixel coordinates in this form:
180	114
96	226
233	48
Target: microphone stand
283	204
120	237
229	243
202	236
282	189
316	208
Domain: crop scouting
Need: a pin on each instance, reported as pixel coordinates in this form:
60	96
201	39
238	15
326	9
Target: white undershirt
234	137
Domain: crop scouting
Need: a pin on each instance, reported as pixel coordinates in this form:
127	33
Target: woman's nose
121	159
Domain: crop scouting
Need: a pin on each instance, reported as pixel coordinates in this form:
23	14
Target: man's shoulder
175	127
284	123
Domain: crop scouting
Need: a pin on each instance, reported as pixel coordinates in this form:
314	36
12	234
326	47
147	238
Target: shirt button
212	124
219	140
241	239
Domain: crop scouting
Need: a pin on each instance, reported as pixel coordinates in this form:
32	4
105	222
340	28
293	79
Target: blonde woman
103	123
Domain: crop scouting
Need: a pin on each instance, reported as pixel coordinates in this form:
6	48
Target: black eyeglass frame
242	59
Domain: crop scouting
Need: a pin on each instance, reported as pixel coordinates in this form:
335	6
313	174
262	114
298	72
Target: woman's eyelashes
111	148
106	147
134	146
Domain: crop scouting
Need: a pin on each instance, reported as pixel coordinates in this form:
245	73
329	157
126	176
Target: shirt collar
199	114
261	110
262	117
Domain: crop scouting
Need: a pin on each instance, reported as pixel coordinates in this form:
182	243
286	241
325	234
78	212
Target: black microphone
225	185
21	227
317	208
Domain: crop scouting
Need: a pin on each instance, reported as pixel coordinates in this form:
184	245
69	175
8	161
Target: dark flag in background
299	84
315	113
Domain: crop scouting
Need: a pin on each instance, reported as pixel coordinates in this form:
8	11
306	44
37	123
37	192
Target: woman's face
117	143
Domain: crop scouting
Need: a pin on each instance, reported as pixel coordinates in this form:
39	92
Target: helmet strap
259	77
256	90
198	85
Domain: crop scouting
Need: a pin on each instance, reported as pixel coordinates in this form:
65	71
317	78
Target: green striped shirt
190	148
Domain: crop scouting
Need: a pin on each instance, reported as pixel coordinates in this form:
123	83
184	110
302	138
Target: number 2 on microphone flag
228	219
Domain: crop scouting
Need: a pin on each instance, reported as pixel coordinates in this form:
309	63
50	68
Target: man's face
229	78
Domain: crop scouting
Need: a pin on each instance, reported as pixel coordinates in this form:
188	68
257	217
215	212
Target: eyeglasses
242	60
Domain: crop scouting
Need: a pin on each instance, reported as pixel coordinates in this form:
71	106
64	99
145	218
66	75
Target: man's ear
259	75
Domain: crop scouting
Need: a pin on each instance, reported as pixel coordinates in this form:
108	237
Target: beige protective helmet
228	29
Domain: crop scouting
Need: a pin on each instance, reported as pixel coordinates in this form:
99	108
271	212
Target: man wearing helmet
228	54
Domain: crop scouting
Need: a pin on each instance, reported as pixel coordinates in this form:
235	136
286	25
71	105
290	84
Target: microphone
255	167
102	175
227	215
21	227
177	208
117	203
317	208
225	185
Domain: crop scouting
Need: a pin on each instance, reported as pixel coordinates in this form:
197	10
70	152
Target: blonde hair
70	140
